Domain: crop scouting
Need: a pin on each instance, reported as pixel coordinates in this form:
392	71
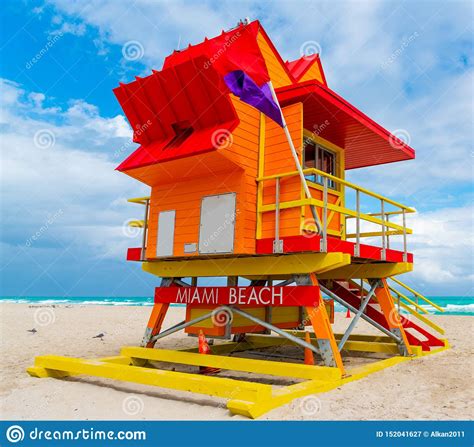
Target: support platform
245	397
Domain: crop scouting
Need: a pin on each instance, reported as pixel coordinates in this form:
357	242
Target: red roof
330	116
299	67
178	56
181	106
178	108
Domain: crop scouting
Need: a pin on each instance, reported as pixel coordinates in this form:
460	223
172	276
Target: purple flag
243	86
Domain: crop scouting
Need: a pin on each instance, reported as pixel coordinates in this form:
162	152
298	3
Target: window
316	156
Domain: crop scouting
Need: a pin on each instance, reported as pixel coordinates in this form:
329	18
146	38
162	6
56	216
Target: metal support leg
322	326
156	318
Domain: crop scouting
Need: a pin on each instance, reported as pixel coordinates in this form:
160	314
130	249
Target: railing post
405	256
145	229
388	231
277	243
324	240
357	246
382	212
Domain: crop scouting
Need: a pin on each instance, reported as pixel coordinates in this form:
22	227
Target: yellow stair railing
417	311
418	295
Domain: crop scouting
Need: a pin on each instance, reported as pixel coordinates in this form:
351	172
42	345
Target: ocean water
452	305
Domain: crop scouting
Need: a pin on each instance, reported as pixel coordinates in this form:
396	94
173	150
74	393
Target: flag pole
297	161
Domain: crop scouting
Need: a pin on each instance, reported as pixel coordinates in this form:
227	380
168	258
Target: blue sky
408	65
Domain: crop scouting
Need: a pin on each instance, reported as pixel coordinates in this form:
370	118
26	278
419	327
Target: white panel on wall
216	232
165	242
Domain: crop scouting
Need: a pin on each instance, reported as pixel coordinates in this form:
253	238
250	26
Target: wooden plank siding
276	71
277	160
313	73
238	173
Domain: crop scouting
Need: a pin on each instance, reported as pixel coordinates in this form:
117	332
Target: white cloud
154	25
68	178
443	242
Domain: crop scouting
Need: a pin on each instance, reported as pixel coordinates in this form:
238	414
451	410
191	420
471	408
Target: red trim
323	75
176	112
299	67
134	254
366	143
303	244
310	243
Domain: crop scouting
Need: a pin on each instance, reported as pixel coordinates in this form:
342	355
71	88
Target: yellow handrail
136	223
139	200
422	318
401	295
341	181
419	295
362	216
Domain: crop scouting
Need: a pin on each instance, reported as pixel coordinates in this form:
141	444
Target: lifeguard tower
245	156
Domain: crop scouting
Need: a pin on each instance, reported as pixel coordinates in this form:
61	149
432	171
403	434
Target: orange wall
244	152
278	159
185	196
313	73
278	74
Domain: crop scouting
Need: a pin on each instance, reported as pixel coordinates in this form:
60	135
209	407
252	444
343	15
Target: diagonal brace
359	313
269	326
363	316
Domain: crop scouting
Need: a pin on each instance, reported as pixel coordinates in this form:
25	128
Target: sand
436	387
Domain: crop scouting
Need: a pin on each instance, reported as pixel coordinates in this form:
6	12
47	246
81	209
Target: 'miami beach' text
236	295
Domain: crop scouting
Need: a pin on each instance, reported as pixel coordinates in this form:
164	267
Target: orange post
154	323
323	331
390	312
308	354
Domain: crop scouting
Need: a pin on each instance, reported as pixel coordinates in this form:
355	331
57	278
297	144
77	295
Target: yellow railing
417	295
417	311
139	200
404	302
381	218
141	223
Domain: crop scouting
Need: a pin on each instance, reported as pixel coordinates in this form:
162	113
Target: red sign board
240	296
